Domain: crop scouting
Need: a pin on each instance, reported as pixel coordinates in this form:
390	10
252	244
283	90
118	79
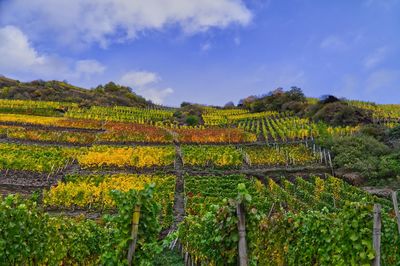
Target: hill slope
104	95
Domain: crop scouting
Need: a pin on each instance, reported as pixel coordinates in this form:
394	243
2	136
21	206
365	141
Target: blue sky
207	51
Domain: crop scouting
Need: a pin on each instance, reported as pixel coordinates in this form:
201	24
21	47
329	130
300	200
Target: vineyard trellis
284	219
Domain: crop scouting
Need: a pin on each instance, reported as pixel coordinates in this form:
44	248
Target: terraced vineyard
288	222
103	176
382	112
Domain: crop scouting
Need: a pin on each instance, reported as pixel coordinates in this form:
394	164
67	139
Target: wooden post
396	209
330	163
186	259
320	155
330	159
376	235
242	245
270	211
134	233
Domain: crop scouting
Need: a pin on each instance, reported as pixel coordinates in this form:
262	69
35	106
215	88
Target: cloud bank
18	56
80	22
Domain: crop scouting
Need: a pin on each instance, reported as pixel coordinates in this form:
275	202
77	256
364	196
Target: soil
179	201
28	178
52	128
353	178
43	142
75	213
24	191
380	192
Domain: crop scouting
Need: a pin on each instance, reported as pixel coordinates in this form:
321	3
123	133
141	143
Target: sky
207	51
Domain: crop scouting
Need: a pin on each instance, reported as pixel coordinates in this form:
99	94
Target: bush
394	133
339	113
390	165
192	120
277	100
360	154
374	130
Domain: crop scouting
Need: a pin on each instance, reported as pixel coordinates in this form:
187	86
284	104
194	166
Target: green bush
374	130
394	133
360	154
192	120
390	165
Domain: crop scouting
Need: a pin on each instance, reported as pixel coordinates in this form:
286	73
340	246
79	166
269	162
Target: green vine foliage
286	236
390	240
325	238
28	236
213	235
119	228
321	238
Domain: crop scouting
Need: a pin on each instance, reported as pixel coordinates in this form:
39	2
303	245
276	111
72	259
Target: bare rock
380	192
353	178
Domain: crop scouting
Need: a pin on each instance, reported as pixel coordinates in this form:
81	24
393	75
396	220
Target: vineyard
288	222
383	112
126	185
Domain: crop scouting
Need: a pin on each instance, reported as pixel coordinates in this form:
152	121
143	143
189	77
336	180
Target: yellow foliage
85	193
140	157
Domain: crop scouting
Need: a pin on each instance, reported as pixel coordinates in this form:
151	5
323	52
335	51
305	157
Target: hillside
181	181
104	95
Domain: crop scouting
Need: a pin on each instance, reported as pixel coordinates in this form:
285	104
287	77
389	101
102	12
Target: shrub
390	165
192	120
360	153
339	113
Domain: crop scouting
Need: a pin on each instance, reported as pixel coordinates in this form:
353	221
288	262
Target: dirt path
24	191
380	192
75	213
179	200
51	128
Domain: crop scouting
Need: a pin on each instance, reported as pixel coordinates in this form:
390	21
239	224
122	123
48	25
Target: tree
229	105
183	104
296	94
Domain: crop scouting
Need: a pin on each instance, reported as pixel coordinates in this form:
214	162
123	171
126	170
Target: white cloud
139	78
16	52
103	21
155	95
376	57
89	67
334	43
143	82
18	56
